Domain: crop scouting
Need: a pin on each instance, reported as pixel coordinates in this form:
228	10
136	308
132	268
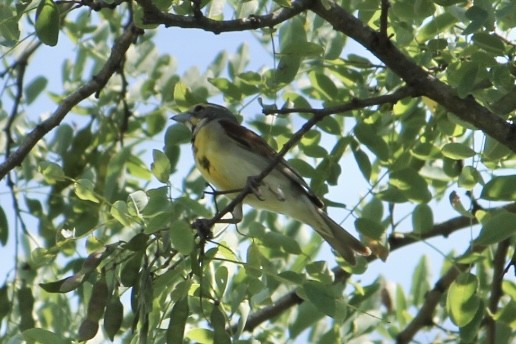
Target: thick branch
466	109
94	85
152	15
442	229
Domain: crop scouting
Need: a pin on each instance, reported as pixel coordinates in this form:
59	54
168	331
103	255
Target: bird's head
200	114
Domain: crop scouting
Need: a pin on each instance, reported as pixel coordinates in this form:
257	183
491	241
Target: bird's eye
198	108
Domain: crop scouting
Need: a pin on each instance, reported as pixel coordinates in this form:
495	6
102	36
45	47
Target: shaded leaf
177	324
113	317
4	229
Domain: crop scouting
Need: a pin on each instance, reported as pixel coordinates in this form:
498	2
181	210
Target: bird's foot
254	185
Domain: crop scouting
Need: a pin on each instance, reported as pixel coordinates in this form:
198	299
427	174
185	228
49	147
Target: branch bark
153	15
93	86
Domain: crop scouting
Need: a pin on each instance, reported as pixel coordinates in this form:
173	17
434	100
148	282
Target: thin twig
384	18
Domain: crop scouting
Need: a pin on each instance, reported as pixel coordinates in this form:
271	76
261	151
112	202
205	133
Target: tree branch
467	109
152	15
441	229
94	85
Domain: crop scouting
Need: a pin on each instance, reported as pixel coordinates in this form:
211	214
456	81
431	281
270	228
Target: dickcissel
227	154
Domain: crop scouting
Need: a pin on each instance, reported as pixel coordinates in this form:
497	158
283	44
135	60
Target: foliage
104	237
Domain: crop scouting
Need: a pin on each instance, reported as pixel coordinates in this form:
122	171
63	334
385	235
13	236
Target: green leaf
367	134
505	315
51	172
462	302
501	188
469	177
370	228
182	236
457	151
131	270
411	184
490	43
113	317
420	284
422	218
436	26
497	228
5	303
161	166
137	201
302	49
25	307
228	88
218	322
363	162
201	336
84	189
4	228
47	22
177	324
330	125
9	30
321	296
120	212
469	333
34	89
287	69
39	335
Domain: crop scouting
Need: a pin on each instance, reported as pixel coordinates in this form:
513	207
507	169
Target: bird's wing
252	142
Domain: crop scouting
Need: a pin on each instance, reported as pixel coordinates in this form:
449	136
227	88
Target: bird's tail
339	239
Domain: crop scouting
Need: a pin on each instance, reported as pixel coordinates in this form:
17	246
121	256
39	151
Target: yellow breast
211	158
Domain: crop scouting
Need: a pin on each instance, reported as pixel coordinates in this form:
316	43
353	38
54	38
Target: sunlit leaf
84	189
462	302
500	188
497	228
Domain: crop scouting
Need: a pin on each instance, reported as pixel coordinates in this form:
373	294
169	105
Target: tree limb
467	109
152	15
94	85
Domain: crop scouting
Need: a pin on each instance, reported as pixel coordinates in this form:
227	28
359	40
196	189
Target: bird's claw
254	184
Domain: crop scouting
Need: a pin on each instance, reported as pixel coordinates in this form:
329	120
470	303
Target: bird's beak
183	117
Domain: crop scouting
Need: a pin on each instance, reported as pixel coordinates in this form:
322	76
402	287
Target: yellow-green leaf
47	22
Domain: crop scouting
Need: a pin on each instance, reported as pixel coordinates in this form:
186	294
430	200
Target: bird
228	154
